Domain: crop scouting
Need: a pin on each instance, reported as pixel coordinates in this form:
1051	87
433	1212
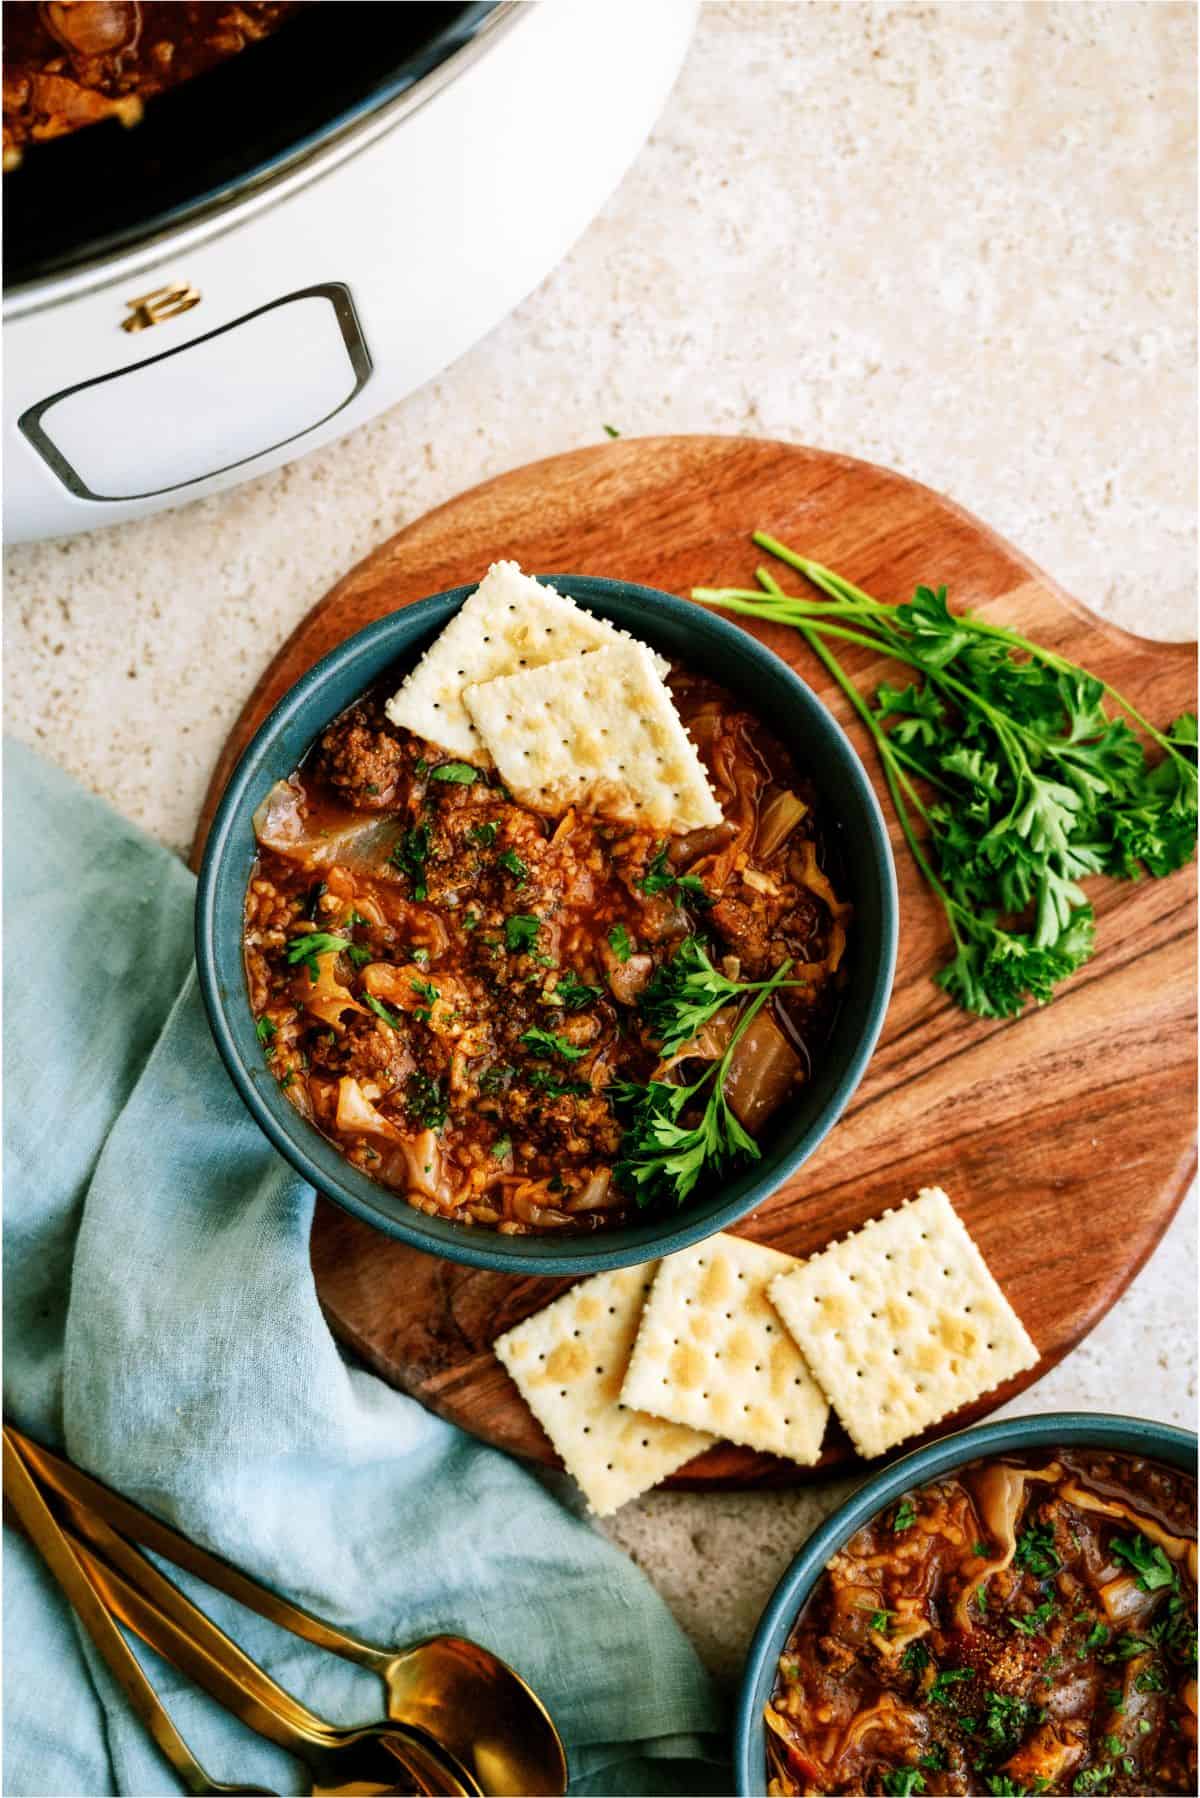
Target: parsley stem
856	600
851	691
749	1015
892	774
720	1068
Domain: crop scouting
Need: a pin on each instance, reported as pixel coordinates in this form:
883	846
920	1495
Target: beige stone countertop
958	239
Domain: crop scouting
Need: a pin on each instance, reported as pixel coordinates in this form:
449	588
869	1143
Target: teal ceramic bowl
1056	1429
684	632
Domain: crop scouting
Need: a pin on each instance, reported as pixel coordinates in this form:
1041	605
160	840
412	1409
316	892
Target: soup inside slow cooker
71	64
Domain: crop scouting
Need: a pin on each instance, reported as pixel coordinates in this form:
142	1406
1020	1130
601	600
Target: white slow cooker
377	186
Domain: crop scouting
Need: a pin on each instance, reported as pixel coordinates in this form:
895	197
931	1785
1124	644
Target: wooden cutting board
1065	1138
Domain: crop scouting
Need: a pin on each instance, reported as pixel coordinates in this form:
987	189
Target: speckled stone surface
959	239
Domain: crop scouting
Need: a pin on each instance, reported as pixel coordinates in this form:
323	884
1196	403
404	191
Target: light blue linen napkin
161	1323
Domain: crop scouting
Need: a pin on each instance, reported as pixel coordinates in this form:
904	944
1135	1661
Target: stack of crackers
633	1373
568	709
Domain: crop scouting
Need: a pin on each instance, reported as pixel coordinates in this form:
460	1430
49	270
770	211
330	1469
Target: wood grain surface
1066	1138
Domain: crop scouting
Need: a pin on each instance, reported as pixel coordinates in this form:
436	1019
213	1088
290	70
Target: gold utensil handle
57	1552
122	1557
72	1483
204	1662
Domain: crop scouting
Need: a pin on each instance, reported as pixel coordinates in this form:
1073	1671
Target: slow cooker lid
75	199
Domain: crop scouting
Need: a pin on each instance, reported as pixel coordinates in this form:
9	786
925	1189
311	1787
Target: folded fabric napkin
161	1325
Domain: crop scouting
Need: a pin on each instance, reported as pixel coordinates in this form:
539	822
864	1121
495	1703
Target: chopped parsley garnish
483	834
687	992
1127	1648
545	1042
942	1689
425	989
571	993
410	856
306	950
512	864
915	1658
1036	1620
661	878
1092	1778
903	1782
425	1101
1004	1721
881	1622
1150	1679
1096	1638
904	1517
358	955
611	431
502	1148
544	1082
381	1011
1002	1786
1173	1630
495	1079
461	774
1148	1560
661	1157
619	943
520	932
1036	1552
935	1760
265	1030
1037	784
980	1550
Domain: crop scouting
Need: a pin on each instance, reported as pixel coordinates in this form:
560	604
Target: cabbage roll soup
529	1019
1023	1625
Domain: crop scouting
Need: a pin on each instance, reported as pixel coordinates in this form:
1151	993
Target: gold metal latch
165	302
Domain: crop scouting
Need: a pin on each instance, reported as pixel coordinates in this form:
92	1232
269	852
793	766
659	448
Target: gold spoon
372	1759
39	1525
464	1696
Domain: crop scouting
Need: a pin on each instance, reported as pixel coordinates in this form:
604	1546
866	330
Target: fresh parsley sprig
1011	779
663	1158
687	991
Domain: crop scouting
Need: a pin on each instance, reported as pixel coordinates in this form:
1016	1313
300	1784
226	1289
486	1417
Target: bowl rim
1069	1429
589	1255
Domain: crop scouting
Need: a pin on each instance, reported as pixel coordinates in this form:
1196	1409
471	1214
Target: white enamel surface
259	383
438	230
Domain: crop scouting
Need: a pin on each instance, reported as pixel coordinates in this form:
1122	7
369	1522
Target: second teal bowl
685	633
1054	1429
